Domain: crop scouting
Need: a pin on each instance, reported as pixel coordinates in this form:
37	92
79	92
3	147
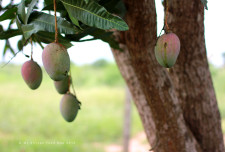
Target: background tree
178	107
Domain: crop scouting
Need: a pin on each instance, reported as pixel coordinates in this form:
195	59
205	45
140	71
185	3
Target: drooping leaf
48	37
20	45
9	14
204	2
49	2
8	47
114	6
50	6
28	30
74	20
97	34
1	28
106	37
30	8
93	14
18	23
36	39
21	11
46	22
87	31
86	1
9	33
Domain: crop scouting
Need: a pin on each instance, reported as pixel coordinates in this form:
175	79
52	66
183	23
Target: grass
31	120
218	76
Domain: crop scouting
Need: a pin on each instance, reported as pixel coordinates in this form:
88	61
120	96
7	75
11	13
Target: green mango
167	49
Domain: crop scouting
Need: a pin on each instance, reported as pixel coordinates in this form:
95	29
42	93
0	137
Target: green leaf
48	37
36	39
97	34
46	22
93	14
21	11
50	6
9	14
20	45
74	20
106	37
18	23
28	30
50	2
29	10
204	2
86	1
8	47
9	33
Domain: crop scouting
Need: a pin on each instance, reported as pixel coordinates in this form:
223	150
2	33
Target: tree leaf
8	47
21	11
106	37
86	1
46	22
9	14
97	34
204	2
20	45
74	20
28	30
93	14
18	23
9	33
29	10
50	6
48	37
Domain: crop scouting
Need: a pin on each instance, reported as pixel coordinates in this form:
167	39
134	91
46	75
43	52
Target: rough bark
150	84
192	77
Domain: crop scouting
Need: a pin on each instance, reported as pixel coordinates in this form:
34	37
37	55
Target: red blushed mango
62	86
69	107
56	61
167	49
32	74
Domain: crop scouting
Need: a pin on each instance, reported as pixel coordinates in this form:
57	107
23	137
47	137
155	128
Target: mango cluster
56	62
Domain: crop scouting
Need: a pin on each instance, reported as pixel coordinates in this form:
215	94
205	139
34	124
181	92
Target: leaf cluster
75	19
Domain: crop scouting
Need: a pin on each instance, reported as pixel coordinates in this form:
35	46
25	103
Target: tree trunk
192	77
150	85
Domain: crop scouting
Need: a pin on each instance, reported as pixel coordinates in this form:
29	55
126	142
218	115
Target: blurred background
30	121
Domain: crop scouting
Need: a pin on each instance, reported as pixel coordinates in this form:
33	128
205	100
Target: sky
88	52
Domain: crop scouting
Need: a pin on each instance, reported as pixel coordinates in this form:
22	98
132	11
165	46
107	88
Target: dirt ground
137	144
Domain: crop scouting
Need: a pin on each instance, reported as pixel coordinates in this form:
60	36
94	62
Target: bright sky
88	52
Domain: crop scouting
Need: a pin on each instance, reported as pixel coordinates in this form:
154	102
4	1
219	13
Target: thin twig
56	29
31	54
72	83
10	60
166	18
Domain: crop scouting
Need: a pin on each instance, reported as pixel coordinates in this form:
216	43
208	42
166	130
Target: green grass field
30	121
33	116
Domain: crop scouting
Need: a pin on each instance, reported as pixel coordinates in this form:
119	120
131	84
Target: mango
167	49
69	107
56	61
62	86
32	74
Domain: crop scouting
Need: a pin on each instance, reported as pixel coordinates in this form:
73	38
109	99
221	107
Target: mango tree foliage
75	19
